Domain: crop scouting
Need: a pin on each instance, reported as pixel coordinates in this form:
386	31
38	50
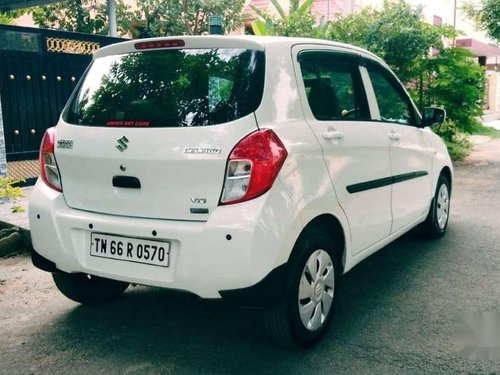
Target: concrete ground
494	124
397	312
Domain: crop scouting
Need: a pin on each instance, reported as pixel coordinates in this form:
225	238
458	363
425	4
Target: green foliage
10	15
397	33
11	192
486	16
486	130
457	83
259	28
297	22
147	19
456	151
85	16
178	17
456	141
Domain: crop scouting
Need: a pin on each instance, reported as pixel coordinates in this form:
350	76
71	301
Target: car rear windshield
169	88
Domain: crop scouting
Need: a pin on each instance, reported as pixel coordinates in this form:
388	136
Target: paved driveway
396	312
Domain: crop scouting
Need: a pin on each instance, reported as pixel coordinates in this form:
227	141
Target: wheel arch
446	171
331	225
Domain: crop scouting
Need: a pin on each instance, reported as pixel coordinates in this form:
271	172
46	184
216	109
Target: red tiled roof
478	48
327	8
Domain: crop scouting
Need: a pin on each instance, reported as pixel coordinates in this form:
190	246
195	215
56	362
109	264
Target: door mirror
433	116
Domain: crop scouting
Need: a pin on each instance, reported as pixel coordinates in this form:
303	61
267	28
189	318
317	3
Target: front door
411	154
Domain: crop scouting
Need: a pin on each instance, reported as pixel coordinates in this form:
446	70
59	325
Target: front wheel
437	220
302	316
87	289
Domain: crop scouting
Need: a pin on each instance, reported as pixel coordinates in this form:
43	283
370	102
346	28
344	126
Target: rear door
147	134
356	150
411	153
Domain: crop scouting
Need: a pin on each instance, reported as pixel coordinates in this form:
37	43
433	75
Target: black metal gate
38	71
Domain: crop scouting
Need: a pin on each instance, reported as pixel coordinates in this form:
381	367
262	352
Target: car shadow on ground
150	329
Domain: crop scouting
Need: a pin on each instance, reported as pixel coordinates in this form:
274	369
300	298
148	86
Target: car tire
437	220
88	290
305	310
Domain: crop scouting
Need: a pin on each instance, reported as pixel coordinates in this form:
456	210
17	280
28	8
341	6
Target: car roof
233	41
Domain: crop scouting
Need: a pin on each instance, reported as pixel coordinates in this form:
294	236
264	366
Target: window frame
338	58
395	83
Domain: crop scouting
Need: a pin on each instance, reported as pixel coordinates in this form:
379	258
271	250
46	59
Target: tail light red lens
253	166
48	166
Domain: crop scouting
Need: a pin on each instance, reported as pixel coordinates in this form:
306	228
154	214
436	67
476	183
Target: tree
10	15
298	21
457	83
180	17
397	33
85	16
150	17
487	16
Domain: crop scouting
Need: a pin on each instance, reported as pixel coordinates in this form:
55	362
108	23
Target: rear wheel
437	220
87	289
303	314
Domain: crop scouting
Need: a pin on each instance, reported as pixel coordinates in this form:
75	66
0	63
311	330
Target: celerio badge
65	143
202	150
122	143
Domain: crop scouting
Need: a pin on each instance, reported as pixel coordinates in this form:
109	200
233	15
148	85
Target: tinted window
393	104
169	88
333	86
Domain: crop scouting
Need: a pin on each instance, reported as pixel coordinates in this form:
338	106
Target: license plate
136	250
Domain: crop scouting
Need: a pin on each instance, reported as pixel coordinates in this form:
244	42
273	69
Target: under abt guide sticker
127	123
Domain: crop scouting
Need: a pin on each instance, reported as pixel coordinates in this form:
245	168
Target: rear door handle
394	136
332	134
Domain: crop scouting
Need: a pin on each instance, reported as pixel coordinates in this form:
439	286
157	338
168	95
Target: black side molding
373	184
127	182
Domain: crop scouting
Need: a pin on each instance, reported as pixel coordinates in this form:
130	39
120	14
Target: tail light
253	166
48	166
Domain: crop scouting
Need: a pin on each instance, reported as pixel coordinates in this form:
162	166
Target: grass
486	130
458	151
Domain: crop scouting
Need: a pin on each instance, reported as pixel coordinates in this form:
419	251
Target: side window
333	86
393	104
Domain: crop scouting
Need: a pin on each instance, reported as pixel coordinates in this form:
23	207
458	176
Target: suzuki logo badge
122	143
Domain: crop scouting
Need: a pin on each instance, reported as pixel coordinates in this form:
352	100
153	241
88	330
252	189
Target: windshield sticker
127	123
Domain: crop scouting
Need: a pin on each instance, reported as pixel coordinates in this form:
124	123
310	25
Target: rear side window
333	86
169	88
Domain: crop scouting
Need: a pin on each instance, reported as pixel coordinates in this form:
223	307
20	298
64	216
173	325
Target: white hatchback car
251	169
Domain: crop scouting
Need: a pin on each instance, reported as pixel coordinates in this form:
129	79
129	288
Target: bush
10	192
457	83
457	142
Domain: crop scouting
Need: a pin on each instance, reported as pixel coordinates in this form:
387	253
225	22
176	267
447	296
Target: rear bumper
203	260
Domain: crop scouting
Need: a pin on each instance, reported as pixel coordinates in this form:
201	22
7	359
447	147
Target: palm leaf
259	28
279	8
260	12
306	6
